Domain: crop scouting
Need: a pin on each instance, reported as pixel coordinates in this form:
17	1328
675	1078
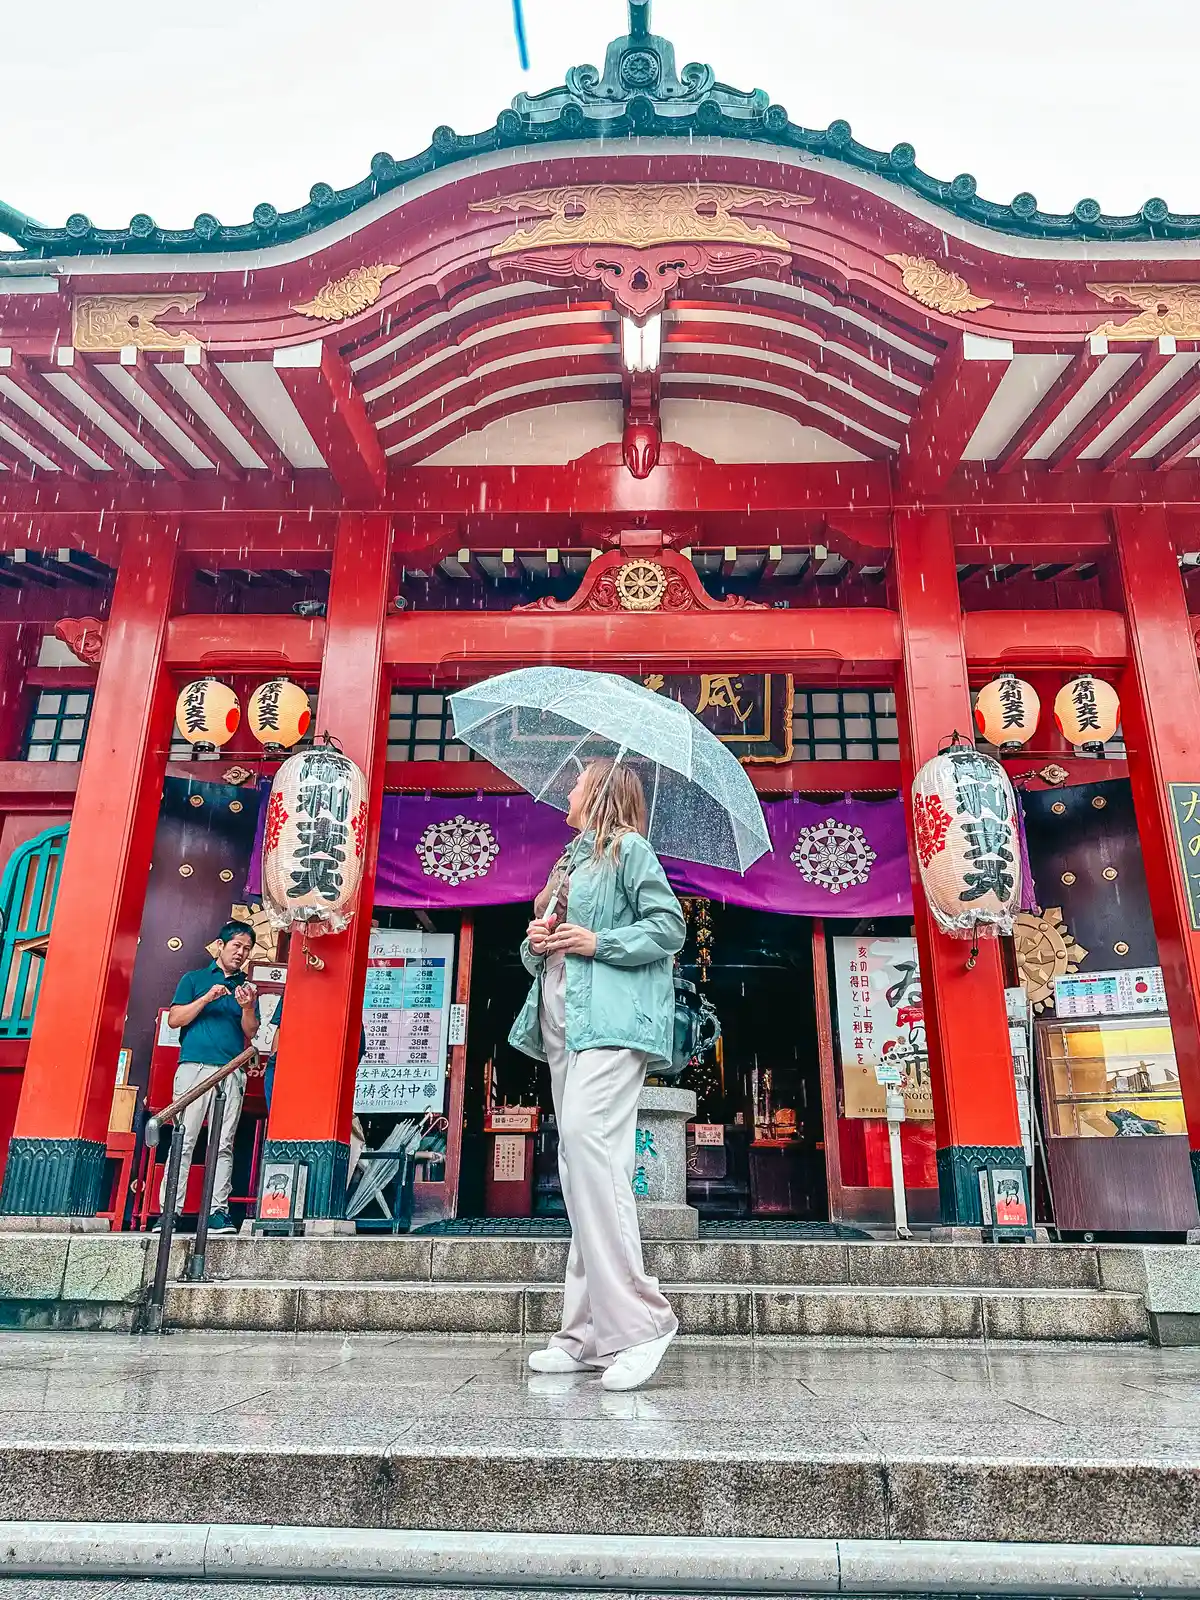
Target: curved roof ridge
639	93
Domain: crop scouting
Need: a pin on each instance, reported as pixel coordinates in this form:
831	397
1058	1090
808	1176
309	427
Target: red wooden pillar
974	1095
312	1101
56	1159
1161	716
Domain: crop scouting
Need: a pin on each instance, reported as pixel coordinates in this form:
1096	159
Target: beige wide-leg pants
188	1073
609	1301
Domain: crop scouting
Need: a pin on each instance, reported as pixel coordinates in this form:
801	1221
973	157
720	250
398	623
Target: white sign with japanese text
881	1025
1125	992
406	1015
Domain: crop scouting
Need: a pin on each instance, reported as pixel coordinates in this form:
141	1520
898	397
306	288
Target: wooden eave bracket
965	378
332	409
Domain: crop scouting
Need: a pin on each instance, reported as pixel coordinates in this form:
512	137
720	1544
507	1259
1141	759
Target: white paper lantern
1006	712
279	714
207	713
1088	712
968	846
314	839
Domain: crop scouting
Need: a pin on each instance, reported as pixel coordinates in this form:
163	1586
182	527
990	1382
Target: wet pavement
804	1439
326	1391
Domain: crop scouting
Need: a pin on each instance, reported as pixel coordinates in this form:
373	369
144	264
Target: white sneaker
637	1365
555	1359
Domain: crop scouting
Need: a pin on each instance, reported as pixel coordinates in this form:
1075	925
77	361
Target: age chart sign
406	1014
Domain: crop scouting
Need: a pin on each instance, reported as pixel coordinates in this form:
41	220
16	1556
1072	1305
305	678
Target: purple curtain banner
845	859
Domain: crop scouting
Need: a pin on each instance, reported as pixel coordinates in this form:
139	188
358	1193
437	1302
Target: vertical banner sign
1016	1004
1185	814
881	1026
406	1015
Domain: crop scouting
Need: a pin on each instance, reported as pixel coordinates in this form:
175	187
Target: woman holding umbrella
637	775
601	1012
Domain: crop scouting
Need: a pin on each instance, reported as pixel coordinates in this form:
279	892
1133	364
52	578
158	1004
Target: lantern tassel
311	960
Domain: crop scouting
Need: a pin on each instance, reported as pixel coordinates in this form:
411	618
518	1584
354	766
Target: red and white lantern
1006	712
1088	712
314	839
279	715
968	845
207	713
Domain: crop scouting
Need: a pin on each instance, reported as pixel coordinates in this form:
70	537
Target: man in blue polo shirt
216	1011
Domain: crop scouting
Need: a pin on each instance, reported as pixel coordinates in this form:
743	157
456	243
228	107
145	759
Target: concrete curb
564	1562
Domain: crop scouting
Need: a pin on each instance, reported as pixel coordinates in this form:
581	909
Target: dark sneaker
219	1223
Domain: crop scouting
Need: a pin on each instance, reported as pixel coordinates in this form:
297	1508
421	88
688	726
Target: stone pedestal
660	1164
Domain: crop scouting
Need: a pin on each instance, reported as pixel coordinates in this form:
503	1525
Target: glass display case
1109	1076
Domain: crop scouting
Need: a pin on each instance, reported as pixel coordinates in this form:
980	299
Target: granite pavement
813	1439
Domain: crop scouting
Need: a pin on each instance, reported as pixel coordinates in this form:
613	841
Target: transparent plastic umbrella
542	725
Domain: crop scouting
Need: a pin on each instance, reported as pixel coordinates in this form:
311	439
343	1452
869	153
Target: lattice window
845	725
421	728
27	895
58	727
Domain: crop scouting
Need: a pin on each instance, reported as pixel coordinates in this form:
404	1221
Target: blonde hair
614	804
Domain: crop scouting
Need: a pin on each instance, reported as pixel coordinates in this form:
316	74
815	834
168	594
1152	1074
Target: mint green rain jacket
625	997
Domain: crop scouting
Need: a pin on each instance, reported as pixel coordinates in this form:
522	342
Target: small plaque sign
284	1185
458	1025
1002	1198
710	1133
508	1158
513	1119
1185	815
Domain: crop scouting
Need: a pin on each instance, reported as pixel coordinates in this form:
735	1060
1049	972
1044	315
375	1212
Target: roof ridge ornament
640	66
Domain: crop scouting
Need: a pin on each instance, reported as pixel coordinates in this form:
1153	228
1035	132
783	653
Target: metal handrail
169	1114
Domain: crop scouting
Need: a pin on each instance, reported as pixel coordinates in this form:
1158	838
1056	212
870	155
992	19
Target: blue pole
519	27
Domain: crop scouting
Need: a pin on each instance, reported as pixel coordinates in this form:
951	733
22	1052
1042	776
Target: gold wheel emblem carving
1045	949
641	585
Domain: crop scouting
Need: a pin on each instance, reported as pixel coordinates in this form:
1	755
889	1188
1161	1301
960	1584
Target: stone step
384	1259
531	1309
625	1489
74	1555
807	1438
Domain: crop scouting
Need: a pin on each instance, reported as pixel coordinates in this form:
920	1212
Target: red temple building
647	378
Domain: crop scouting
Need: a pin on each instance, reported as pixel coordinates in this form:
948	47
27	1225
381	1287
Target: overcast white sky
115	106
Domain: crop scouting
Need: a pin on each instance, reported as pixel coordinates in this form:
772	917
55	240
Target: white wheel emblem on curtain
457	850
833	855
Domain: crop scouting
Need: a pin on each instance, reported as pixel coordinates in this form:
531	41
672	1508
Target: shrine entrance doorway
760	1093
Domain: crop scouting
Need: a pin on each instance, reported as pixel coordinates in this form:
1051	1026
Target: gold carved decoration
641	585
1045	950
1166	308
346	297
114	321
266	940
936	286
640	215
